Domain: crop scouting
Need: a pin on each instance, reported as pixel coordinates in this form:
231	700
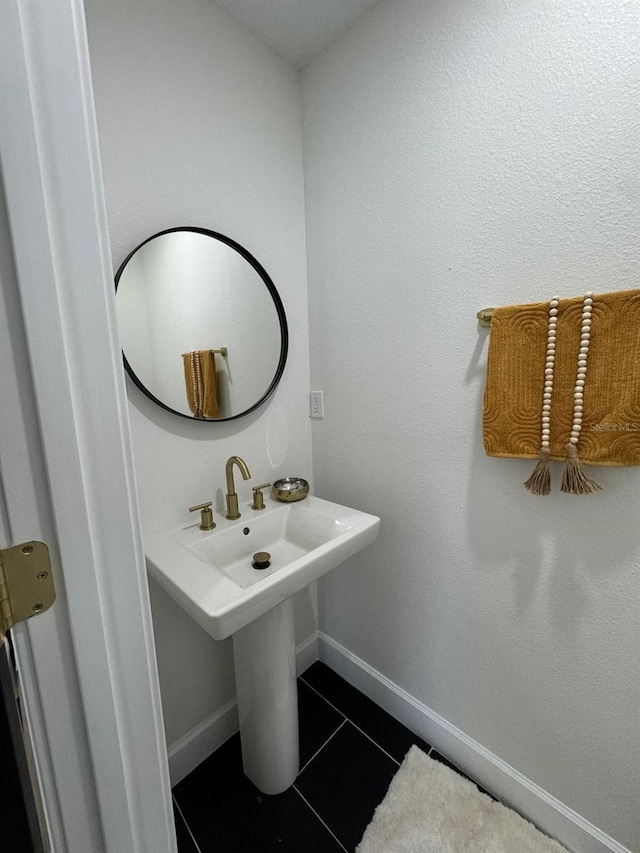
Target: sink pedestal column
265	664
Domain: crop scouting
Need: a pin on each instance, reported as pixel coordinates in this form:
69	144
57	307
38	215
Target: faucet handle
258	497
206	515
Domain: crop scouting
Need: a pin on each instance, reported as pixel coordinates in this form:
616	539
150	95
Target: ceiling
297	30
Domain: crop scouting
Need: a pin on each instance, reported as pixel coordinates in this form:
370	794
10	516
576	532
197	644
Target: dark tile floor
350	749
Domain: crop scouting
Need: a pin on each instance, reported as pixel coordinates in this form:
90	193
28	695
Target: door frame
87	667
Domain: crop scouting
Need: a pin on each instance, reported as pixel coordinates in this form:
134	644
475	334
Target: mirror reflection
202	327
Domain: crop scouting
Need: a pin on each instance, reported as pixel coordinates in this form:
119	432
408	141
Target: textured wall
461	154
200	125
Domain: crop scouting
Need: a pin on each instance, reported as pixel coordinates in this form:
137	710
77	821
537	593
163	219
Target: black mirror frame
282	319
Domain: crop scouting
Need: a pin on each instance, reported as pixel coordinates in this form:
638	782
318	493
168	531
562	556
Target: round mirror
202	327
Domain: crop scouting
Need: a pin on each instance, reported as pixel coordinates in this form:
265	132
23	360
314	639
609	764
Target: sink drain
261	560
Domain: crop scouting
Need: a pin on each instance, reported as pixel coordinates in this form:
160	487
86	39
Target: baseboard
306	653
191	750
510	786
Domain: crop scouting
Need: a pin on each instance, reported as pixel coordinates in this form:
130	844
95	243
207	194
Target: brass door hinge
26	583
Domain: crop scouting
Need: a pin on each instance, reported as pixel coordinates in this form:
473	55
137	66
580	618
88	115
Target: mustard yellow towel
201	383
515	380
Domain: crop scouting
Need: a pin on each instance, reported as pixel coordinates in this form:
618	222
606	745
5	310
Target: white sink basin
210	573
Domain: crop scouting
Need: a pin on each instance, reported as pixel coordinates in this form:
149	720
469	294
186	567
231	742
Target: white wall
461	154
201	125
458	155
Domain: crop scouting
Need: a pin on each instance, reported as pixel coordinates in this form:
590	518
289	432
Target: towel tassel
539	483
575	480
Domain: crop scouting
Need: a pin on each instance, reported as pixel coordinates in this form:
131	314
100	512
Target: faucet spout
232	498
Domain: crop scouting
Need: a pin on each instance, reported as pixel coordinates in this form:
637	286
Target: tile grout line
332	735
324	698
355	725
331	705
184	820
305	800
384	751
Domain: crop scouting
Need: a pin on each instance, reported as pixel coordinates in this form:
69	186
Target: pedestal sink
211	575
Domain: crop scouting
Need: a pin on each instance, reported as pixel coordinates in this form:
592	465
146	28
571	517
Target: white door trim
87	666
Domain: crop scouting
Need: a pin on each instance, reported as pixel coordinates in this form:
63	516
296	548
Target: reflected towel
515	380
201	383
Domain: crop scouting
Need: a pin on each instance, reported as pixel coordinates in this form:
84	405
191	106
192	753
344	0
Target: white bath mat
431	809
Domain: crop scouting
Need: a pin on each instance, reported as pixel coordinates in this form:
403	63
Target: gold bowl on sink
290	489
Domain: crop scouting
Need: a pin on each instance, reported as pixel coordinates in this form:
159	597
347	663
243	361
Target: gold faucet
232	497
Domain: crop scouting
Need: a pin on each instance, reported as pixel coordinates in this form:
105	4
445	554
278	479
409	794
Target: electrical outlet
316	404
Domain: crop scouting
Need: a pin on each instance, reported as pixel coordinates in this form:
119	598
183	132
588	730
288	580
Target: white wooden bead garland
539	483
575	480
